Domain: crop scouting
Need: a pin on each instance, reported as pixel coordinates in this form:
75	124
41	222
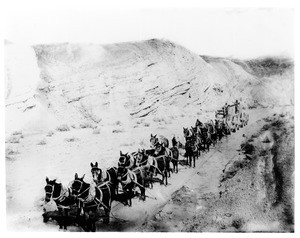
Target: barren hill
79	82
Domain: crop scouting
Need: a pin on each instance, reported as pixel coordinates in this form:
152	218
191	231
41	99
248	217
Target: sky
226	32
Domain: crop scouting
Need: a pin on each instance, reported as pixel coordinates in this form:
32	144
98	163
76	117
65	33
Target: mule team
138	169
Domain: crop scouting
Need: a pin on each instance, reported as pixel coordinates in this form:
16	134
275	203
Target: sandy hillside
71	104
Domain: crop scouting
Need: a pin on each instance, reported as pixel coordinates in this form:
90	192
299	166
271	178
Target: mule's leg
166	176
167	167
93	226
163	177
106	218
88	224
174	166
66	218
143	195
61	218
151	180
130	192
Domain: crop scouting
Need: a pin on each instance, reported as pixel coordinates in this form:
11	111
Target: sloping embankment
260	189
256	191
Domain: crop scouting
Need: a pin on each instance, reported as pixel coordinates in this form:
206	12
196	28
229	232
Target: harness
155	162
90	194
130	177
64	193
129	159
61	196
93	198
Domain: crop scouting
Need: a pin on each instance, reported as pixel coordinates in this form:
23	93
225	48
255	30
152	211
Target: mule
127	161
203	131
109	176
129	180
187	133
142	160
175	158
174	142
154	139
219	130
175	154
197	137
63	200
194	135
198	123
164	154
92	201
213	133
159	163
191	152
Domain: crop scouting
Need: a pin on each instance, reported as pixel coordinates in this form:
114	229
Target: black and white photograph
148	119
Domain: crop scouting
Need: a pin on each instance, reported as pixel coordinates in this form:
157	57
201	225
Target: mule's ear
96	164
92	165
151	135
120	152
47	180
82	177
76	176
155	135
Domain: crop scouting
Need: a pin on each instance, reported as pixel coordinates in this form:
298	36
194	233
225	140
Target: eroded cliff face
89	82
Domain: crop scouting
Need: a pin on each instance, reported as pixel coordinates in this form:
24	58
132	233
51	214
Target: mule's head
49	188
96	172
186	132
153	140
158	147
140	155
194	130
77	185
121	172
123	159
199	123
